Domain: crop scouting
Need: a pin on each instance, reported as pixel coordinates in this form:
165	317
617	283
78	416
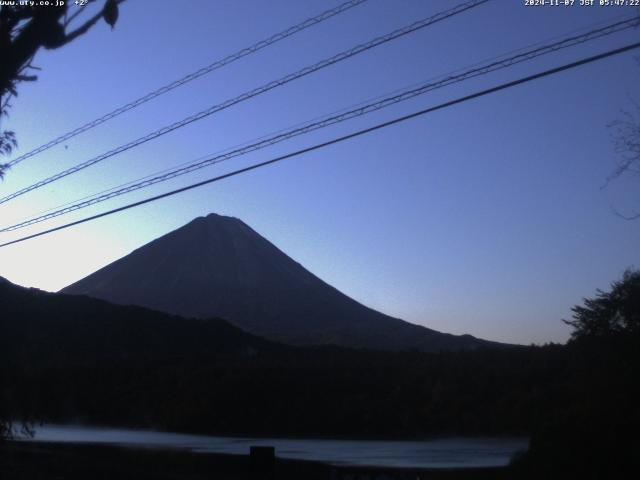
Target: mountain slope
219	267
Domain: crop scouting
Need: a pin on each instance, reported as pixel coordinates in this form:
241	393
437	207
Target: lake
453	452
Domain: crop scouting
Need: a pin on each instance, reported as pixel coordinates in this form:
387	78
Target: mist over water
453	452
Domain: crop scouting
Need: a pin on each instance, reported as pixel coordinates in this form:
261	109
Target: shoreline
434	453
276	436
73	461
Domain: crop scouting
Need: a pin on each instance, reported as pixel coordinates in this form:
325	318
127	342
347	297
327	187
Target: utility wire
309	22
327	121
255	92
343	138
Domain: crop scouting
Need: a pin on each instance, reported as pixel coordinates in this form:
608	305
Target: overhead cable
328	121
343	138
309	22
253	93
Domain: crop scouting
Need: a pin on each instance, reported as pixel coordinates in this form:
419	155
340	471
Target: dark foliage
78	359
24	30
592	432
609	314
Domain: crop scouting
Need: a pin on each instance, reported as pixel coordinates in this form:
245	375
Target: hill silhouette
80	329
68	358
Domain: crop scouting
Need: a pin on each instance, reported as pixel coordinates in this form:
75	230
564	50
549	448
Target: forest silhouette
75	359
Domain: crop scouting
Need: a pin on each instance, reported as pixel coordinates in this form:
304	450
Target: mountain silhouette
217	266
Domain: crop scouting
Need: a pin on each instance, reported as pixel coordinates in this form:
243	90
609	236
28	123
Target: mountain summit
217	266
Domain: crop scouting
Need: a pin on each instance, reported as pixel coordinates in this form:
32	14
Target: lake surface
457	452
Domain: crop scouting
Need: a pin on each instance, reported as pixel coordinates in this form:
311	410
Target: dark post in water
262	463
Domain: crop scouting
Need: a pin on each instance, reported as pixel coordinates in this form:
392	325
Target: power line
255	92
325	122
309	22
343	138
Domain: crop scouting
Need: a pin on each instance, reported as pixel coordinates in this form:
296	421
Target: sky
492	217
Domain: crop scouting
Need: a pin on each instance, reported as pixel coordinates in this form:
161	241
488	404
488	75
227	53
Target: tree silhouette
625	133
609	313
24	30
590	432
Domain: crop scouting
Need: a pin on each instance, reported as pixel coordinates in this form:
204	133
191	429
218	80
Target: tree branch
79	12
625	217
86	26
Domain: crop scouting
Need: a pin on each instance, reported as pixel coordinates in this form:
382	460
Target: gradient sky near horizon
488	218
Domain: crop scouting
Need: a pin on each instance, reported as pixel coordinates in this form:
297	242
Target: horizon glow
487	218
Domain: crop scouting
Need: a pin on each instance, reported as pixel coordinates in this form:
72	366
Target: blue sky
486	218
